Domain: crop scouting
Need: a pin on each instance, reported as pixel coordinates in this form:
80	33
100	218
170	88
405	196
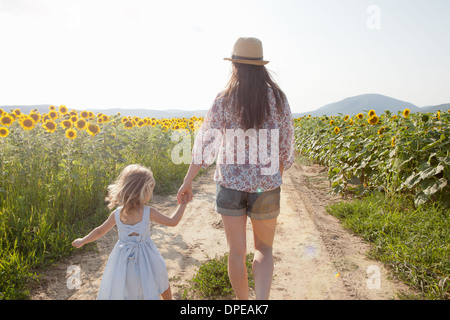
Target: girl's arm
97	233
171	221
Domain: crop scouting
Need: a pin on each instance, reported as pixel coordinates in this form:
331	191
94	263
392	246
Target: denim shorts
258	206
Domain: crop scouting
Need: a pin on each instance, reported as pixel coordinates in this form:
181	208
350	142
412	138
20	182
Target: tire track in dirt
361	277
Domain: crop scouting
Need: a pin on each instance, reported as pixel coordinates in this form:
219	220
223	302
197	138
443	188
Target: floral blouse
245	160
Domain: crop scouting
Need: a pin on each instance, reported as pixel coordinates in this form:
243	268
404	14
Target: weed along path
315	257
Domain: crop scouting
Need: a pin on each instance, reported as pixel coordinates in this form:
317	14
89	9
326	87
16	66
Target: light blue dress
135	269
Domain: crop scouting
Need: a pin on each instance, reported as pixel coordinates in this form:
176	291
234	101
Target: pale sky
169	54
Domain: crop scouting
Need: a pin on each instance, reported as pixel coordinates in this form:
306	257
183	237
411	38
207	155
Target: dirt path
315	258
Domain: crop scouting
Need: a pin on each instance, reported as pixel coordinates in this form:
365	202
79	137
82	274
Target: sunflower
372	113
128	124
93	129
6	120
81	124
71	134
27	123
406	113
331	122
346	117
73	119
67	124
438	115
53	114
373	120
84	114
140	123
105	118
381	130
350	122
35	117
425	117
4	132
17	112
360	116
52	108
337	130
1	112
63	109
50	126
393	141
45	117
124	119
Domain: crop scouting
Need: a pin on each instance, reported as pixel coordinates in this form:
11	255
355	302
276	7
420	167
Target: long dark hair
247	91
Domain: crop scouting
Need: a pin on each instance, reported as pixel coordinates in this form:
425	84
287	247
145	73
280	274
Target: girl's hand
184	200
78	243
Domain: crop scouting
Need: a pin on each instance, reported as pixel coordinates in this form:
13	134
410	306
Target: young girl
135	269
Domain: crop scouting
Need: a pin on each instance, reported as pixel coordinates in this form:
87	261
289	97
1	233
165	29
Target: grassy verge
211	280
413	242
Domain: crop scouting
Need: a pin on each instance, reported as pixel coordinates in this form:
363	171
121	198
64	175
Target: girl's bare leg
167	295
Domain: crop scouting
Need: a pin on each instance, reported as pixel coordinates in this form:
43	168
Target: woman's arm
287	139
97	233
186	188
171	221
213	122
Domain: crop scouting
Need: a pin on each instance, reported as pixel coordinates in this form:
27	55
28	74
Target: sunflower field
54	170
401	153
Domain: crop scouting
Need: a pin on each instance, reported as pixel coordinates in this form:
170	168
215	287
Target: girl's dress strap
117	215
147	213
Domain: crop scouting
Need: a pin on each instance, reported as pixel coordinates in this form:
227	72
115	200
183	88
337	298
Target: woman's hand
185	193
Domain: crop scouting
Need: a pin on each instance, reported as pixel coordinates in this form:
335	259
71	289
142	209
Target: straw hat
248	51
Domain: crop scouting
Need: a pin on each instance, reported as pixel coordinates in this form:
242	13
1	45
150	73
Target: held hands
185	193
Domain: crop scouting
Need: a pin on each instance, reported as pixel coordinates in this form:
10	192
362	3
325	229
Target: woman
254	111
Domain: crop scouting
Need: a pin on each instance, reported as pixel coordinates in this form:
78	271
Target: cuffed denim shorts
258	206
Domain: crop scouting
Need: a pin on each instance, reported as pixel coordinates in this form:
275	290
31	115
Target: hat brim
252	62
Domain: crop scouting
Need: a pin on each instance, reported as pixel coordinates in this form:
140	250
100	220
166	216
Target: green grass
52	191
413	242
211	280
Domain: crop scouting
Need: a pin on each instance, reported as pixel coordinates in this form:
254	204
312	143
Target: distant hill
441	107
350	106
357	104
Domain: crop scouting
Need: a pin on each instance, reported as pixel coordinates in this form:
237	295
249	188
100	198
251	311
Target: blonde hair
133	187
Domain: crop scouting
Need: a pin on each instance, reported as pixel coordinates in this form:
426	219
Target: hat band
245	58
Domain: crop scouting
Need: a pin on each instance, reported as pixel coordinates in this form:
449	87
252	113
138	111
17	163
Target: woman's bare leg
235	231
263	232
